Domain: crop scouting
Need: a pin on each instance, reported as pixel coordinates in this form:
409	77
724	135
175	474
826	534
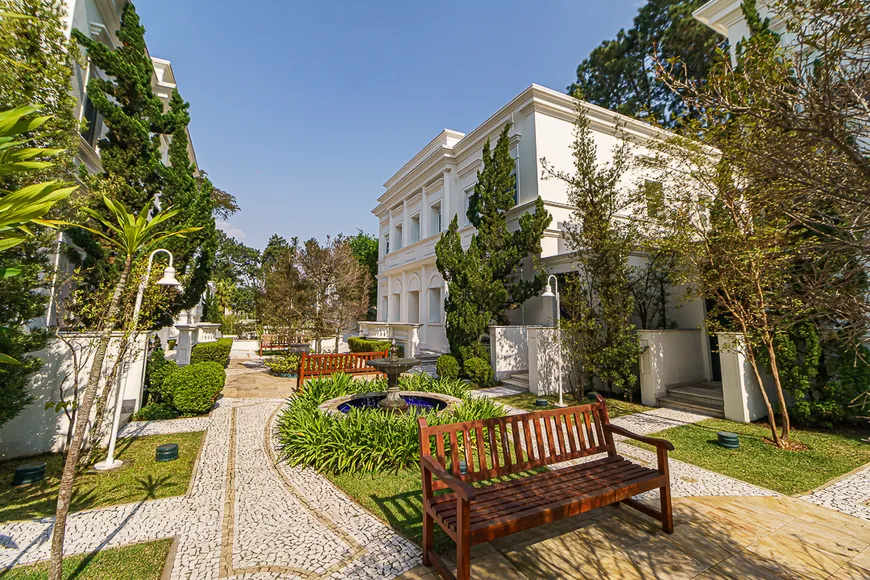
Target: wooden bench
273	342
474	451
328	364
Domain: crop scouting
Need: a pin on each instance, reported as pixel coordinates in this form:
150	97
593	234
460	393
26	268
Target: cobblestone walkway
850	495
245	515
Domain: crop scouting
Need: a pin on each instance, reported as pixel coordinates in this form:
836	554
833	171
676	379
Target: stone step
515	383
700	394
692	407
524	377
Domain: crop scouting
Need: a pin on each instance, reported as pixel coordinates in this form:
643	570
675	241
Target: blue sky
303	110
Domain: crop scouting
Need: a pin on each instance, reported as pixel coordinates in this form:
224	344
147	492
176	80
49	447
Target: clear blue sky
303	109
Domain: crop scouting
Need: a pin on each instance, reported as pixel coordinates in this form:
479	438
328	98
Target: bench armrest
462	489
654	441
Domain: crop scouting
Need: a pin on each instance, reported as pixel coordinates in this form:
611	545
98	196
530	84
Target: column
405	226
184	344
403	313
424	306
425	226
446	206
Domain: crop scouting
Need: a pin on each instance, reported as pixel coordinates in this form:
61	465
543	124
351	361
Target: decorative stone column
184	344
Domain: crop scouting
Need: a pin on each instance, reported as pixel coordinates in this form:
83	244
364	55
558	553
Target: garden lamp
548	293
168	279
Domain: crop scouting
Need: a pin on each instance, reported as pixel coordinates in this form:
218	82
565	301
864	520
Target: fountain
393	366
393	400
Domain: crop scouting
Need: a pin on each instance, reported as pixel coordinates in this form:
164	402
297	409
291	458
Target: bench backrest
327	364
516	443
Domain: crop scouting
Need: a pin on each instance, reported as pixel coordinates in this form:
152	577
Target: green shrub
283	364
156	372
218	352
474	350
155	412
170	344
195	387
366	440
361	344
447	367
478	370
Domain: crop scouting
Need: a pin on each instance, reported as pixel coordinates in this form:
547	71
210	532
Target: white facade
726	18
423	197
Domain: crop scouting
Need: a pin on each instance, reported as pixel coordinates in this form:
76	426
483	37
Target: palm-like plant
23	207
130	234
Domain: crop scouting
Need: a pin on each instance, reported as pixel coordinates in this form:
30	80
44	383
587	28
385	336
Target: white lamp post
548	293
168	279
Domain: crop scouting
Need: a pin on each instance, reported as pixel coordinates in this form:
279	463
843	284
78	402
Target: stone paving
849	494
245	516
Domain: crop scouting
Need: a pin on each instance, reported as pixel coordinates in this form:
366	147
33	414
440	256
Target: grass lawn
140	478
615	407
137	562
828	455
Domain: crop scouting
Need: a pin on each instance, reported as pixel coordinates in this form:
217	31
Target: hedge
361	344
196	387
218	352
157	371
447	367
478	370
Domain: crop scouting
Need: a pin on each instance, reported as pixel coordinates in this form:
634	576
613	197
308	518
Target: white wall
669	358
545	361
37	430
509	350
743	399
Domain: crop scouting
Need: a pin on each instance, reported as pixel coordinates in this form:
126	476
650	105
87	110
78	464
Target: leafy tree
35	68
20	209
275	248
130	235
601	235
620	73
365	249
484	282
238	265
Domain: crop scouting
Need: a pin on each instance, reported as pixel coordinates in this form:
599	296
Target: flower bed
366	440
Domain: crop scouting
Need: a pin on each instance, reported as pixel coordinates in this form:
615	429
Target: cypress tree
483	282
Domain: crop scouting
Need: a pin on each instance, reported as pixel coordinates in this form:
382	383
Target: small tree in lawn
349	294
484	282
129	235
601	235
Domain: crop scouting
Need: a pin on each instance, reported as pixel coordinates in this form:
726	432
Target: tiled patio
715	537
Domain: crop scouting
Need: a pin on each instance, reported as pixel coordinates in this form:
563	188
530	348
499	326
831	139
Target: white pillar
184	344
405	224
445	200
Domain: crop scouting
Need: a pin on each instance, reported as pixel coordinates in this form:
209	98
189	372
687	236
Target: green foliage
620	73
155	412
284	364
365	440
484	281
447	367
598	299
196	387
218	352
158	369
365	249
478	370
362	344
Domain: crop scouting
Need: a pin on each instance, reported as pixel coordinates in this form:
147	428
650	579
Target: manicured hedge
478	370
195	387
218	352
447	367
361	344
156	373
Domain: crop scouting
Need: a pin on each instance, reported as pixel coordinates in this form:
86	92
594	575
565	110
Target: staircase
428	357
519	380
703	397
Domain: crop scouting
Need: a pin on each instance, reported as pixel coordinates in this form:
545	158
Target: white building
434	186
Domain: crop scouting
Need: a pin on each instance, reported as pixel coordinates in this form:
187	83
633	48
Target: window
435	305
399	240
415	229
516	175
385	309
386	244
397	306
93	123
655	199
435	219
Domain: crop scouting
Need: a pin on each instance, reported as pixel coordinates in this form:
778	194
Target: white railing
406	334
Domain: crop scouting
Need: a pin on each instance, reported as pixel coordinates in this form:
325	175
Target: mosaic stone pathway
245	515
850	494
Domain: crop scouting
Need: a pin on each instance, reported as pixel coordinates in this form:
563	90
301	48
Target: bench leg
428	531
463	541
667	511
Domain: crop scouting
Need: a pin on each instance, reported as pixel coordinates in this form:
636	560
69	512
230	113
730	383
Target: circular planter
167	452
728	440
28	473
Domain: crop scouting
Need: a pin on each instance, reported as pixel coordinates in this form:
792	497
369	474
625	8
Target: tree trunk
771	418
783	410
83	414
